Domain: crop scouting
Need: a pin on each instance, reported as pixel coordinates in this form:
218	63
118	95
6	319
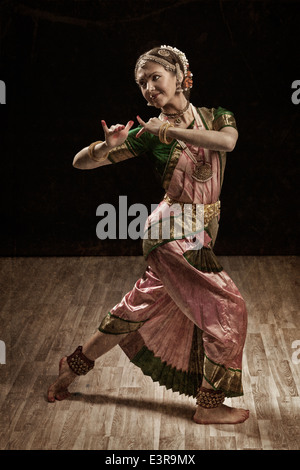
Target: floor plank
49	305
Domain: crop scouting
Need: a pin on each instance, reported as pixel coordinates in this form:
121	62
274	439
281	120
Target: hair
172	58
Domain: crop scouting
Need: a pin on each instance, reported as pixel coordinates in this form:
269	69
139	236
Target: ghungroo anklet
79	363
208	398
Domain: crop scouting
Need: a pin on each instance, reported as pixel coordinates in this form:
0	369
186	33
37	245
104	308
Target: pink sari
183	323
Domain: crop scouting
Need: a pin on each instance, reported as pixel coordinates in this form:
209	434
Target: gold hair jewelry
178	71
188	81
179	54
148	57
91	152
164	51
162	133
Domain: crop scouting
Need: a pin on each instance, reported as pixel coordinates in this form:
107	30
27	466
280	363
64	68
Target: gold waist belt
210	210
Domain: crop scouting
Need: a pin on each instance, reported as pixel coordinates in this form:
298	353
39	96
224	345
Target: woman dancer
184	322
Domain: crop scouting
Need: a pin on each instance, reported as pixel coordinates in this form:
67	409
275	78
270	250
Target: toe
62	395
51	396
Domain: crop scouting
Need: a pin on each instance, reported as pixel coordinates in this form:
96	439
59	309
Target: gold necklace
177	115
202	171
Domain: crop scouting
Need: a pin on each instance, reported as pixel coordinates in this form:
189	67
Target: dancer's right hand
117	134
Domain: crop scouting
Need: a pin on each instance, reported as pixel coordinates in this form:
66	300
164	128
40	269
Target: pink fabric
167	332
183	187
210	300
173	296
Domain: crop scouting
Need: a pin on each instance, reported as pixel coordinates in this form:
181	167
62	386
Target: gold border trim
228	380
111	324
171	165
120	153
206	116
225	120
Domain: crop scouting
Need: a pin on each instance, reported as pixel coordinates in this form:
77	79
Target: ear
180	77
179	74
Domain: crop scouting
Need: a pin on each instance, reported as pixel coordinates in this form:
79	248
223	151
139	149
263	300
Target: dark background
69	64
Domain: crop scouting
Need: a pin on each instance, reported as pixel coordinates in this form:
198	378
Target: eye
156	77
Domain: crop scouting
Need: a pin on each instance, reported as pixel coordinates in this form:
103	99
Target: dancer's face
157	85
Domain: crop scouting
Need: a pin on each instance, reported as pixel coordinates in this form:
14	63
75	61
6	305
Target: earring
179	87
178	78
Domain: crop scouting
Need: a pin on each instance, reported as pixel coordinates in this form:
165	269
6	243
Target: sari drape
185	317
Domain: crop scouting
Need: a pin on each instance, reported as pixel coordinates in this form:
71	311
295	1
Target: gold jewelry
164	51
166	141
179	54
179	88
210	210
178	71
152	58
177	115
79	363
162	133
91	152
188	81
210	398
202	171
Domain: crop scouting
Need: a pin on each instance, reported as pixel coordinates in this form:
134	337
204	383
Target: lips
153	97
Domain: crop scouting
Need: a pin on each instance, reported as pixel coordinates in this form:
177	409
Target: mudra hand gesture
116	134
151	126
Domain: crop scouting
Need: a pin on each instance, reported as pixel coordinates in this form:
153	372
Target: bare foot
221	415
59	389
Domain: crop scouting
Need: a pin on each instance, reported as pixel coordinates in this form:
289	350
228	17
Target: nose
150	87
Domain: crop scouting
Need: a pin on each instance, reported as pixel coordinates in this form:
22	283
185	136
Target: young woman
184	322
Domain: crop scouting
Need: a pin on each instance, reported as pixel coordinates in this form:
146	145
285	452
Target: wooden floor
49	305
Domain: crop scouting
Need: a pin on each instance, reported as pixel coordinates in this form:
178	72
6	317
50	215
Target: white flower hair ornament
164	52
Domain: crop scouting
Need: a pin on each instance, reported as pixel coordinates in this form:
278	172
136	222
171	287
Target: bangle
162	133
91	152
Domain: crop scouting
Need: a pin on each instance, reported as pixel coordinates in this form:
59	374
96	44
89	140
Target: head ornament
162	59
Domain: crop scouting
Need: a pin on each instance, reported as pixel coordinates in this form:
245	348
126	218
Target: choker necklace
177	115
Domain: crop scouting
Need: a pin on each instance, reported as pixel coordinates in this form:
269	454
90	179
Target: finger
119	128
105	128
114	129
140	132
129	125
141	121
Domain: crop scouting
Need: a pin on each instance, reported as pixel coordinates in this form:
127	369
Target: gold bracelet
162	134
91	152
166	141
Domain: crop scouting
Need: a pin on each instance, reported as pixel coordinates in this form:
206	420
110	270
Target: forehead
148	69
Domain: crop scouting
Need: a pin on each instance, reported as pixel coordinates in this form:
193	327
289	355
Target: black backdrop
69	64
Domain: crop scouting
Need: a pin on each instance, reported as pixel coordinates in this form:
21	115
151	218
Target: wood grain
50	305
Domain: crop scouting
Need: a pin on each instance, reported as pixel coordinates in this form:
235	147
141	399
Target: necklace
202	170
177	115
